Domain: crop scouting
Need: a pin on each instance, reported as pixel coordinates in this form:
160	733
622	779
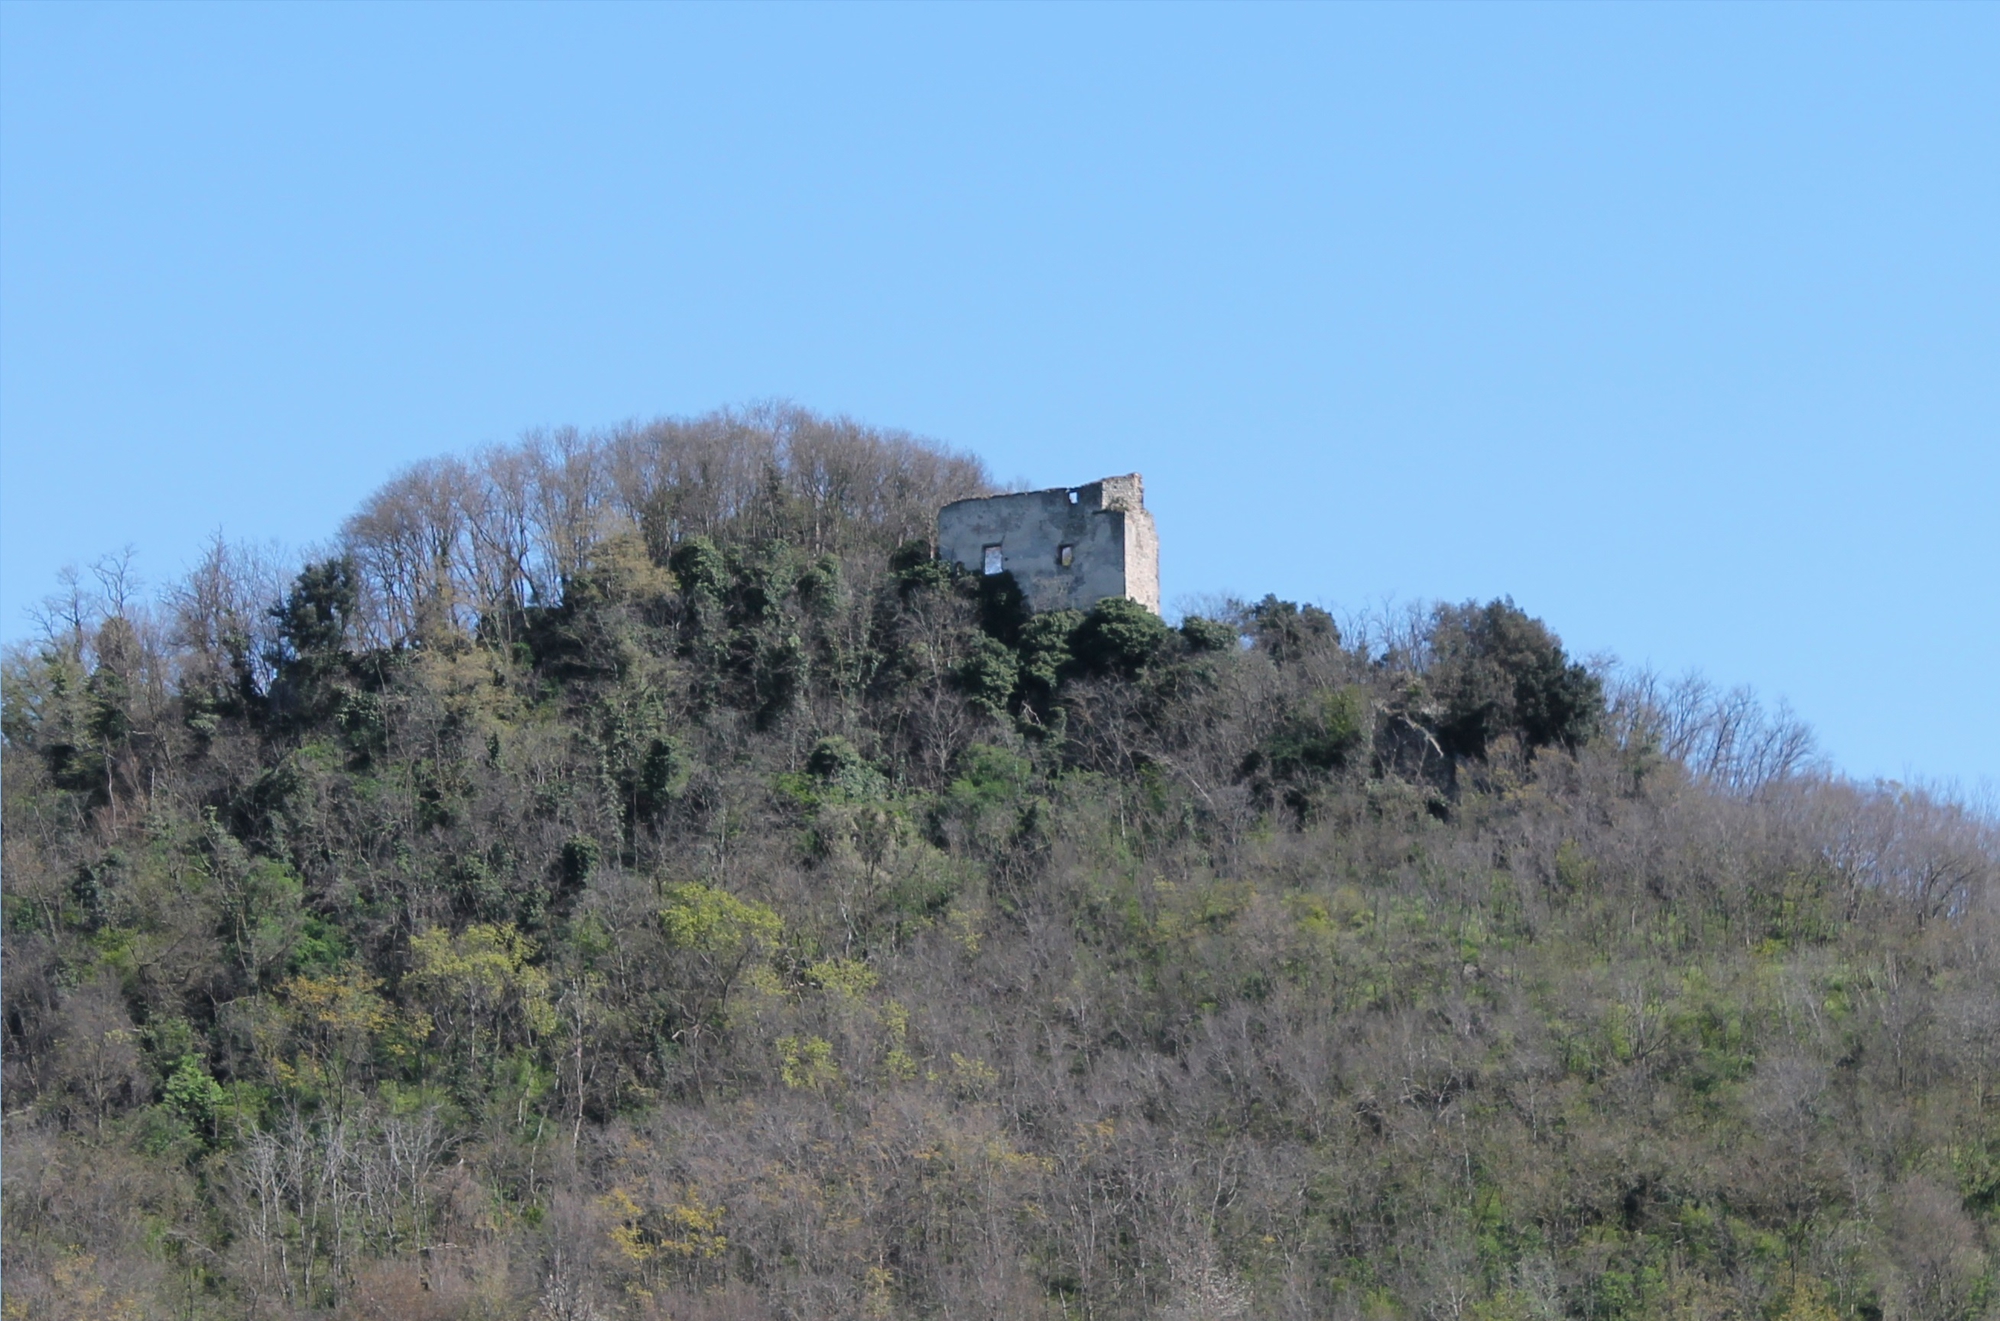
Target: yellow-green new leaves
848	980
850	1028
806	1063
662	1236
480	986
711	921
719	935
325	1037
685	1229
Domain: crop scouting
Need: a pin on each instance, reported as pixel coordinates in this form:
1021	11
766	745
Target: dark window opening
1065	555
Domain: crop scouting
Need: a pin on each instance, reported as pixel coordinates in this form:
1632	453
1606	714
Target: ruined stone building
1067	547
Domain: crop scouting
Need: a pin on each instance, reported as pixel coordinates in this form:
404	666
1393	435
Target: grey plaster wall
1114	550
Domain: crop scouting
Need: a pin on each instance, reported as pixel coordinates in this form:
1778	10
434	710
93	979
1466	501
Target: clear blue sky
1679	324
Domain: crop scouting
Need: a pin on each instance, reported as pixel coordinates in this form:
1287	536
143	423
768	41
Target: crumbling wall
1066	547
1142	558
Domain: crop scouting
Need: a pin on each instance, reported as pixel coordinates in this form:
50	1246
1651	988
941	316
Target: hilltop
630	875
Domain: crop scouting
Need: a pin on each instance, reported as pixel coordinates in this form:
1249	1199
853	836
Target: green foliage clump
1288	631
316	616
1208	634
712	921
1118	637
1497	670
989	675
1046	651
700	568
193	1095
579	858
1327	731
836	764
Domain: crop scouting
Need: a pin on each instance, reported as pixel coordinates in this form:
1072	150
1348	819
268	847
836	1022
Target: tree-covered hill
627	876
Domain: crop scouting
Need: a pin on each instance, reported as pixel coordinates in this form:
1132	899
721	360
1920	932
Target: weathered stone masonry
1066	547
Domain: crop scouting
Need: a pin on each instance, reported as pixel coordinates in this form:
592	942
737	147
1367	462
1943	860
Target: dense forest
627	876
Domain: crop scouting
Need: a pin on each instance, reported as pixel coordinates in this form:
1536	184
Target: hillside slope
630	879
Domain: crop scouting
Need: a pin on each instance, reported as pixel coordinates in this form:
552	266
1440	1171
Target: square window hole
992	563
1065	555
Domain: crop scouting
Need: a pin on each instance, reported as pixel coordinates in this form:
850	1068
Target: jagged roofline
1112	491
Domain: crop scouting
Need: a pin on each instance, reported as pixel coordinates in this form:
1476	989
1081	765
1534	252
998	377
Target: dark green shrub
315	616
699	567
663	772
579	859
819	587
1119	636
910	555
1208	634
1045	653
1003	607
1498	670
1287	630
913	568
836	764
988	676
